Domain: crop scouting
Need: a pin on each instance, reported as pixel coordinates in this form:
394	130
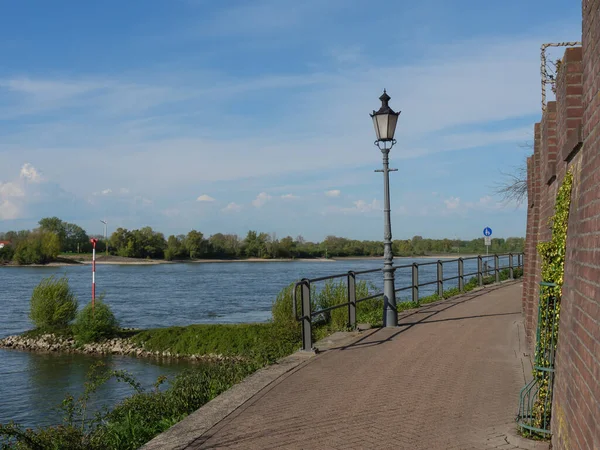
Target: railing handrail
405	266
307	314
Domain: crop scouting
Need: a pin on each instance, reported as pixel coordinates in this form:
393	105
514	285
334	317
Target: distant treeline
54	236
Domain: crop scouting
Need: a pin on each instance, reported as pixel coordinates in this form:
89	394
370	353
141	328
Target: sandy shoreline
117	260
151	262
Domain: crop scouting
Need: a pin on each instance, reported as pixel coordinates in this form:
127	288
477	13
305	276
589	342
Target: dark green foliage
40	247
97	324
6	254
53	305
147	243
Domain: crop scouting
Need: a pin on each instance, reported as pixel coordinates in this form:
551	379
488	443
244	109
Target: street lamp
105	237
385	121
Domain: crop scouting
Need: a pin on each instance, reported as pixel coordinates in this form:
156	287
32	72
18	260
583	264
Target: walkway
447	378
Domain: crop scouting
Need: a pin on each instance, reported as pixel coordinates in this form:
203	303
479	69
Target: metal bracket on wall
548	74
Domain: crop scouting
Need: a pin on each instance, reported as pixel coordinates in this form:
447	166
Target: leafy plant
553	268
53	305
93	325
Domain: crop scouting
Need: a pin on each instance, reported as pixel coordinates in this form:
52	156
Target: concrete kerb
182	434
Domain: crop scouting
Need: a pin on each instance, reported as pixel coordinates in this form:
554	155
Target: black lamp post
385	121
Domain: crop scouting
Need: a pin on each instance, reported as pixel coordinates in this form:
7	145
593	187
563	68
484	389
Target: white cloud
31	194
30	173
205	198
360	207
333	193
289	196
232	207
106	191
261	199
13	194
452	203
10	190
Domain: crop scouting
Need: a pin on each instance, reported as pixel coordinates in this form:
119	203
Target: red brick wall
576	115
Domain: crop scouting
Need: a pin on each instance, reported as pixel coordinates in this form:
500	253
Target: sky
238	115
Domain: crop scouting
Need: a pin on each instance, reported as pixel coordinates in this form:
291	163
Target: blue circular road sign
487	231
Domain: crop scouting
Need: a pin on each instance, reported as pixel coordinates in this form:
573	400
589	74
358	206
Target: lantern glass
385	120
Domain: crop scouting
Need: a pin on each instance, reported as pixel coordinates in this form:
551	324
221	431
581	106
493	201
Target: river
32	385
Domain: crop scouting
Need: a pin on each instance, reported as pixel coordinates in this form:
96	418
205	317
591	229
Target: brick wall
569	138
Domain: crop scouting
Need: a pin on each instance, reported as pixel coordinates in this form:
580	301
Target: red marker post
93	241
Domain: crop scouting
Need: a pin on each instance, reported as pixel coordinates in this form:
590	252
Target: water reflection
40	385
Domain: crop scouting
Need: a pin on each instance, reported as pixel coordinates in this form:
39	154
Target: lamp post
385	121
105	237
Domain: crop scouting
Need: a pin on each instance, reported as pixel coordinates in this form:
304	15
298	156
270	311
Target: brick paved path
447	378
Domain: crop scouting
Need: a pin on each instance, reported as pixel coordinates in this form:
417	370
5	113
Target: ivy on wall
553	269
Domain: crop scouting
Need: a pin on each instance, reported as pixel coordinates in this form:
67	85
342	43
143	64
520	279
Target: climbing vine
553	268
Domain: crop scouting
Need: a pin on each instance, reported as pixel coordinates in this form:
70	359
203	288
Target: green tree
40	247
6	253
54	225
287	247
74	237
175	248
195	244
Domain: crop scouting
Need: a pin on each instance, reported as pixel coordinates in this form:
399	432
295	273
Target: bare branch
514	186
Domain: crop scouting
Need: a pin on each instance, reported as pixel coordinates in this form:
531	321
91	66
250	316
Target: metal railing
483	272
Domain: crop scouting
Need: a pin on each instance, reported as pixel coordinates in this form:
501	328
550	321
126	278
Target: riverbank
51	343
203	342
73	260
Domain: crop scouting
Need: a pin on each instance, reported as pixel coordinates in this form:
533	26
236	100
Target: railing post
480	270
497	267
440	279
415	283
511	272
352	300
306	317
461	274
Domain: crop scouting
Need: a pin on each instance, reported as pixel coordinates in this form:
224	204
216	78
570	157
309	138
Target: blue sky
237	115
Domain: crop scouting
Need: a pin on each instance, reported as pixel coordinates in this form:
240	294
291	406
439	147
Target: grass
257	341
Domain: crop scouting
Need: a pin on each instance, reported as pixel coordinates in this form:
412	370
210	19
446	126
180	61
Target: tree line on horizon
54	237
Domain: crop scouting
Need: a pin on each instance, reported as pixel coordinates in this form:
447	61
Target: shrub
95	325
142	416
6	254
38	248
53	305
282	307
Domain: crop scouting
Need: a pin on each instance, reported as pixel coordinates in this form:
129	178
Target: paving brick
447	378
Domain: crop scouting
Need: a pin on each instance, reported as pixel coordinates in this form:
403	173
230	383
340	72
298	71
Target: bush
95	325
6	254
282	307
142	416
53	305
38	248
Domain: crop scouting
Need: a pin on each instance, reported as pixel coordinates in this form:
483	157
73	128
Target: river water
32	385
